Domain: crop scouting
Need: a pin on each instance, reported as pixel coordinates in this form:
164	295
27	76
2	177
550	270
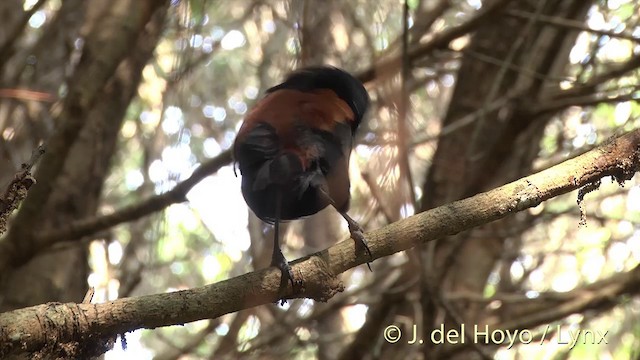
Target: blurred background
467	95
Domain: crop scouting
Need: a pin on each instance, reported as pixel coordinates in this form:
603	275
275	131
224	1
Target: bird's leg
277	258
357	234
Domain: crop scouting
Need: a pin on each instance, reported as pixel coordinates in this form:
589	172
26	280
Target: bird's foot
278	260
357	234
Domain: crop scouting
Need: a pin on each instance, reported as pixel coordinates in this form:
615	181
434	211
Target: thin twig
569	23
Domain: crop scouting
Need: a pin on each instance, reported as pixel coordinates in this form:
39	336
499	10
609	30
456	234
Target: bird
293	151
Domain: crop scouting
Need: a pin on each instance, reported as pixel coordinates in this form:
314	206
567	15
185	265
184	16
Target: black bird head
347	87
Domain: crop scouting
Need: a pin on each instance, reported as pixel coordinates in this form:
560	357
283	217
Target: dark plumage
293	149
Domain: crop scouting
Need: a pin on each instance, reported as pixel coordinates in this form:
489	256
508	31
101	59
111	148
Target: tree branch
556	105
613	71
84	227
550	307
388	68
570	23
51	325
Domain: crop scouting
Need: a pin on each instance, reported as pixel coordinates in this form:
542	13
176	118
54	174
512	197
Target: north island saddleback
293	150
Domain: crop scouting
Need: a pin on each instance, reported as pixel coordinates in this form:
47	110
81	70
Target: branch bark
52	325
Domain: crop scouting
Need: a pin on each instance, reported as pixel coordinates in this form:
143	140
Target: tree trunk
497	147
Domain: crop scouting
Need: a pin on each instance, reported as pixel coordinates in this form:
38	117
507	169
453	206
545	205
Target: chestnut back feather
347	87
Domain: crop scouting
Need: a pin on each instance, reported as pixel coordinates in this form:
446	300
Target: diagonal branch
582	101
388	68
85	227
613	71
571	24
601	295
52	325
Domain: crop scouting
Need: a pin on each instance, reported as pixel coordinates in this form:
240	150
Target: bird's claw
285	269
358	236
286	274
